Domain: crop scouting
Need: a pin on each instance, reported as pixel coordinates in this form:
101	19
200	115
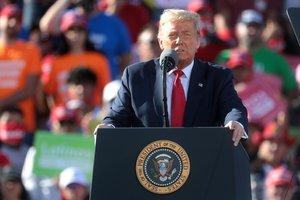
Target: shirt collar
187	70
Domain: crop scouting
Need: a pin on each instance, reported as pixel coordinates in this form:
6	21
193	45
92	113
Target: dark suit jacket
211	99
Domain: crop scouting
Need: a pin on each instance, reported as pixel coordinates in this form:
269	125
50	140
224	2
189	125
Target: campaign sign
57	152
261	96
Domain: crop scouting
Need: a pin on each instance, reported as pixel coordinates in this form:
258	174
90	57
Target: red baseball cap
61	112
73	17
280	176
273	132
239	58
198	5
11	10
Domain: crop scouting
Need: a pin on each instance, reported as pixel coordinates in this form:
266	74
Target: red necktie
178	101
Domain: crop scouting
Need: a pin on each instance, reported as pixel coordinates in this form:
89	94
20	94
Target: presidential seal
162	167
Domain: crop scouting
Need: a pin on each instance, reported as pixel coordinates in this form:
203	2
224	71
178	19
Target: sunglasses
77	29
67	122
74	185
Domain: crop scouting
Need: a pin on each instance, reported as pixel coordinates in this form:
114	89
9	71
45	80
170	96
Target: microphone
168	59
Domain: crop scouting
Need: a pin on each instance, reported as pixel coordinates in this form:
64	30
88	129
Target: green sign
57	152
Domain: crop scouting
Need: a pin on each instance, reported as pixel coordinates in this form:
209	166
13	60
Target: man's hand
238	131
101	126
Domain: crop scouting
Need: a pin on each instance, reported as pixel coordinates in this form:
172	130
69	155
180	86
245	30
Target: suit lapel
158	92
196	92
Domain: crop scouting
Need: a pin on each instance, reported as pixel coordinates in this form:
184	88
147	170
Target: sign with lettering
262	98
57	152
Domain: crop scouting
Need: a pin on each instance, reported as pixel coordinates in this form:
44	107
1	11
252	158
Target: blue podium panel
294	16
169	164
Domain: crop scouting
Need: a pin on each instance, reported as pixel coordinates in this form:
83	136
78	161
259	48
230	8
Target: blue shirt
110	36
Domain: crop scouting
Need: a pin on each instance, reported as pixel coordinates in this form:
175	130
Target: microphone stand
165	103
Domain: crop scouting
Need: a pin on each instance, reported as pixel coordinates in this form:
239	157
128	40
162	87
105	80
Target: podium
293	16
211	167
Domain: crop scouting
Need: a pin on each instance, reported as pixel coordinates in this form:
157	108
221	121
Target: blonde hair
174	15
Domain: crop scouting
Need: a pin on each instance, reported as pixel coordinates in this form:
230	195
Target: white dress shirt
185	81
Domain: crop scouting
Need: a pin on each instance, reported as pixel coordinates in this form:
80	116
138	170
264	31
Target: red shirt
235	7
135	16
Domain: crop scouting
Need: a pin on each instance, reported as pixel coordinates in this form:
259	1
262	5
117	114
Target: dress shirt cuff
245	136
110	125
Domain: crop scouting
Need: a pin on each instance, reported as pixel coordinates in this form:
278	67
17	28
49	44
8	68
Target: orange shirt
17	61
63	64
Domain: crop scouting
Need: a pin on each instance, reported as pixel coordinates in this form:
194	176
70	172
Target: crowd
61	63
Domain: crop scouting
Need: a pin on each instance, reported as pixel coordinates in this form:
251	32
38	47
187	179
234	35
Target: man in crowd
19	66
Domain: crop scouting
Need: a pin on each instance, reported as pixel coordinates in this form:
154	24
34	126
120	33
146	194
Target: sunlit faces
82	91
183	37
273	151
249	34
74	192
76	35
280	192
10	25
64	126
8	117
241	73
11	189
148	46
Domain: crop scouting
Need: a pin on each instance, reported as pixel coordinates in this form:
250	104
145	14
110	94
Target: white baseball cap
110	90
72	175
251	16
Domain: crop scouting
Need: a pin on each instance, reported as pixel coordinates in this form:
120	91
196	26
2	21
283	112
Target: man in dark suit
209	95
